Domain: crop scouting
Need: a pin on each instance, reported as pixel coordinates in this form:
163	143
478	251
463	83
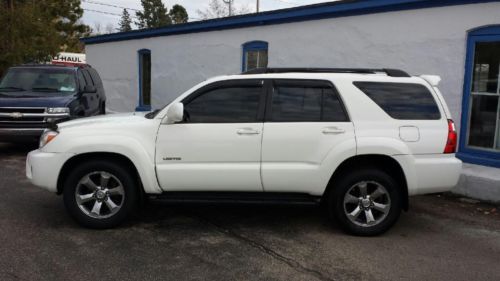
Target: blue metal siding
304	13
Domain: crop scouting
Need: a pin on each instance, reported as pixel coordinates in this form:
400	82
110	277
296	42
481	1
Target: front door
218	145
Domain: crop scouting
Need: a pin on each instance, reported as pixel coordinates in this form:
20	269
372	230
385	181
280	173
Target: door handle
247	131
333	131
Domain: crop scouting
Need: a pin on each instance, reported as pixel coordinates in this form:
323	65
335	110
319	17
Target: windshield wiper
11	89
45	89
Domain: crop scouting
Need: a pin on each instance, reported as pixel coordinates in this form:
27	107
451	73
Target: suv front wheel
100	194
366	202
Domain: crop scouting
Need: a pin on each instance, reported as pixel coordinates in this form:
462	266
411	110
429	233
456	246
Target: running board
254	198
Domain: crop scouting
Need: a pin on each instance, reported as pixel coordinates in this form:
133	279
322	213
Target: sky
97	13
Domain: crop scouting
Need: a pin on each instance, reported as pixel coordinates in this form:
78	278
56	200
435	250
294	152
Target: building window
255	54
480	134
144	80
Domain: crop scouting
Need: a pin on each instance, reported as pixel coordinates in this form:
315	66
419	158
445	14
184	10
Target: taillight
451	142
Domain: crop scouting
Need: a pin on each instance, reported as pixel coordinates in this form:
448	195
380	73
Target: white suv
360	141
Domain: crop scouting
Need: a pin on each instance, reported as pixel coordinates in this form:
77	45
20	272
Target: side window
95	77
402	100
81	80
255	55
225	104
88	79
306	101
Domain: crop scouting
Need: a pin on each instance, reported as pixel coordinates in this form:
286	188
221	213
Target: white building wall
423	41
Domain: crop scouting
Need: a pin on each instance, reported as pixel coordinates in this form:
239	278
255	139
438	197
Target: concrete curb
479	182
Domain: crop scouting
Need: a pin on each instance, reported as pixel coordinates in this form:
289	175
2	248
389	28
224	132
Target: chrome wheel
367	203
100	195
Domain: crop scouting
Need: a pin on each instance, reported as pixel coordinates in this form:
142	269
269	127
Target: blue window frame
255	55
480	124
144	61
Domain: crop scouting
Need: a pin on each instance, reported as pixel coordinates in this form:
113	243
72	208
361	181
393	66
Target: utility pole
229	4
258	4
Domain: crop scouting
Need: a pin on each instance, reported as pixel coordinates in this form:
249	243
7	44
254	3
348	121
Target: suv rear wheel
100	194
366	202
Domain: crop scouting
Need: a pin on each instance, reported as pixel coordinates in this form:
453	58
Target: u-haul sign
69	59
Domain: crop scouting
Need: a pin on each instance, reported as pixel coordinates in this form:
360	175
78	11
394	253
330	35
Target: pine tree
33	31
154	14
67	15
178	14
125	22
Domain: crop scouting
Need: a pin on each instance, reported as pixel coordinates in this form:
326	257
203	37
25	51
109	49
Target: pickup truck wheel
100	194
365	202
102	110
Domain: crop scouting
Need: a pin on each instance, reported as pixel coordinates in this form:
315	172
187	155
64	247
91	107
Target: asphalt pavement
440	238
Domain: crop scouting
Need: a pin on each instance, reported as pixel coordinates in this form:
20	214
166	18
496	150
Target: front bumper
43	168
19	134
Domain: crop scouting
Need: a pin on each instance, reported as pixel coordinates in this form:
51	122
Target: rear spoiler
432	79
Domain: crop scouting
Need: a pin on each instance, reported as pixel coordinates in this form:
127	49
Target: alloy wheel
100	195
367	203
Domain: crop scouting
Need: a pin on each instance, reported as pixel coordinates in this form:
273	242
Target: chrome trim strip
34	115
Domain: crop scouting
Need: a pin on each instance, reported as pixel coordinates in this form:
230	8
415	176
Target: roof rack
389	71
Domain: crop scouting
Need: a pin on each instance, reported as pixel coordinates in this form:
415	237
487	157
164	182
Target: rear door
305	121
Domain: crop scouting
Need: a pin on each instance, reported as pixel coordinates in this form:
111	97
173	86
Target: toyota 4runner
358	141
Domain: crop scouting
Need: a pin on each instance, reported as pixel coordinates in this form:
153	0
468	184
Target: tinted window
88	79
40	81
81	80
402	100
225	105
95	77
299	102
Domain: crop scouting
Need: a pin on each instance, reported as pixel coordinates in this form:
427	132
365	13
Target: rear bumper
430	173
43	168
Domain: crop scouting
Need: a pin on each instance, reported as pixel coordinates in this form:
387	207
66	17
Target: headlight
47	136
58	110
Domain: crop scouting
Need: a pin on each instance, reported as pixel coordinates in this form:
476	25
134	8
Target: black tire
338	211
102	111
125	179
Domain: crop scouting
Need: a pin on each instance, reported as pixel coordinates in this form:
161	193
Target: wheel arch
378	161
101	156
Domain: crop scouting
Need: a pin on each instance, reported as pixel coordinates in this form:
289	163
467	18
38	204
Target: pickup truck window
39	81
88	78
81	80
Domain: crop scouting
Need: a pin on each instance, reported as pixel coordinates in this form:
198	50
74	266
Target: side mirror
175	113
89	89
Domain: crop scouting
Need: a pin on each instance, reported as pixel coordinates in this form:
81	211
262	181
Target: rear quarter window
404	101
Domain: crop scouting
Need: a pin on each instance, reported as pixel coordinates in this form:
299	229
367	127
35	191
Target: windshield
38	81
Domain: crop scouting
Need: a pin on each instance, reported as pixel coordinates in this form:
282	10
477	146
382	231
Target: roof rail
388	71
